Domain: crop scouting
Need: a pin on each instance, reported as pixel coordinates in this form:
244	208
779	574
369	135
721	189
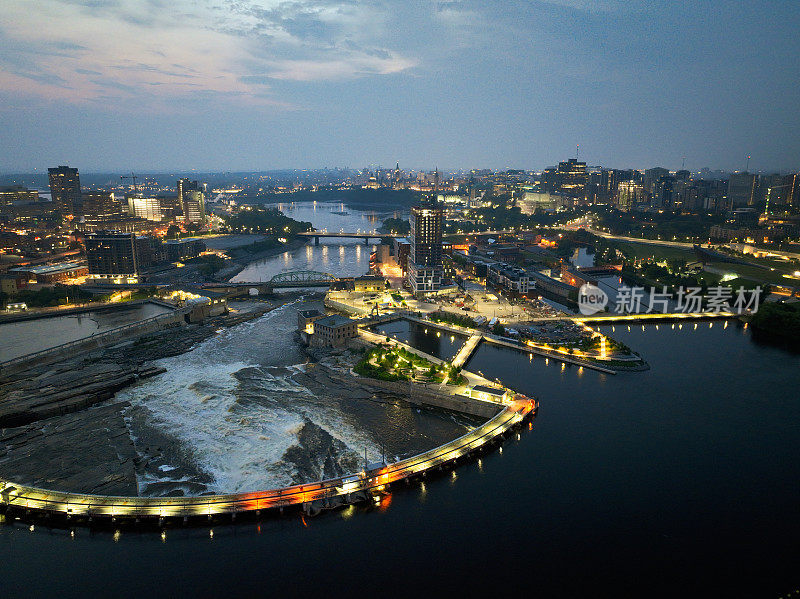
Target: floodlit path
467	350
311	496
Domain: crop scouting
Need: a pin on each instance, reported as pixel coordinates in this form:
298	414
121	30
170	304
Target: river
682	480
341	258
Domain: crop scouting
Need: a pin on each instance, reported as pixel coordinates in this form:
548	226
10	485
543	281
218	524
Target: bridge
284	280
366	236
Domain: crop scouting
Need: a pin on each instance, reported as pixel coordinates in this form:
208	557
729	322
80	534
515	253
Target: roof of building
489	390
310	313
47	269
335	320
182	240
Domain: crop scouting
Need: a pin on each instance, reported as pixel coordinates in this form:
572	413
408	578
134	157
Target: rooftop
489	390
46	269
335	320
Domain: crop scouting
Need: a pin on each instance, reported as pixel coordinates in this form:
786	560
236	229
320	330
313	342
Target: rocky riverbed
238	406
52	436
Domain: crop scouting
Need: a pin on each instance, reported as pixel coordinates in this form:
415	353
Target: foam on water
235	428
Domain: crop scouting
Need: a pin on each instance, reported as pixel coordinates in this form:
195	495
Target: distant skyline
253	85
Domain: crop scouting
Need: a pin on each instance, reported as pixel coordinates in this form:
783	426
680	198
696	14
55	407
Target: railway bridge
285	280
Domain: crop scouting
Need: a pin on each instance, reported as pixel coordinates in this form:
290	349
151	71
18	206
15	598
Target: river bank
60	424
241	259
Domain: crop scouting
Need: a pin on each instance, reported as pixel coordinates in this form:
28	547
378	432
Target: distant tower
436	185
472	192
65	189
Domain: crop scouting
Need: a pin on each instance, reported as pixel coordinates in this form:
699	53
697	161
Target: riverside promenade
312	497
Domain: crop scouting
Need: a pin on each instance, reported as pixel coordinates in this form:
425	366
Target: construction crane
132	176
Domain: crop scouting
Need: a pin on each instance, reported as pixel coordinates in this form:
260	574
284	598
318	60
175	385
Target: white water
237	432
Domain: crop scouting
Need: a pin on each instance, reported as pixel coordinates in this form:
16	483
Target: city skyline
256	86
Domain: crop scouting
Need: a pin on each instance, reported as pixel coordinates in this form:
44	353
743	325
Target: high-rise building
112	256
792	183
425	252
146	208
426	235
572	178
630	194
192	201
65	189
101	206
120	257
741	190
651	177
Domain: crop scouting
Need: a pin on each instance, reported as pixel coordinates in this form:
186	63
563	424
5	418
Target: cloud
146	50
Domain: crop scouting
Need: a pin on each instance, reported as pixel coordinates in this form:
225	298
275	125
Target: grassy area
658	253
780	320
754	274
392	363
47	297
456	319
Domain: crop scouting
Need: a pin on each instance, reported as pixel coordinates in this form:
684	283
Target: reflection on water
346	259
29	336
336	216
341	258
432	341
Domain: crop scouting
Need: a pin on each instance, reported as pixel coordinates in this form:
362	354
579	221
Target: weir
339	490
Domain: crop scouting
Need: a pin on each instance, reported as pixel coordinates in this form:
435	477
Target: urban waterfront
639	482
401	299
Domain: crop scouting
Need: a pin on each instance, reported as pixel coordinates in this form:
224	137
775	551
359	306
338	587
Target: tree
173	232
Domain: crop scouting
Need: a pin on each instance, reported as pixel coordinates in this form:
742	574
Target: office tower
192	201
741	190
146	208
65	189
572	178
101	206
16	194
194	206
630	194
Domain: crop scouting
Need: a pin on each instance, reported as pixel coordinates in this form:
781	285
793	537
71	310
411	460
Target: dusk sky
160	85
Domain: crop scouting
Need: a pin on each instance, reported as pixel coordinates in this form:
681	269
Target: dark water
432	341
679	481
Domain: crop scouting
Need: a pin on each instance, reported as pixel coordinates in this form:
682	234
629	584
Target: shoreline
240	263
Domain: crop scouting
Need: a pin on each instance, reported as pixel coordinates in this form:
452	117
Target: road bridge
366	236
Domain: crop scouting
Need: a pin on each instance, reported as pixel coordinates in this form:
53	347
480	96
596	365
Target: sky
217	85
